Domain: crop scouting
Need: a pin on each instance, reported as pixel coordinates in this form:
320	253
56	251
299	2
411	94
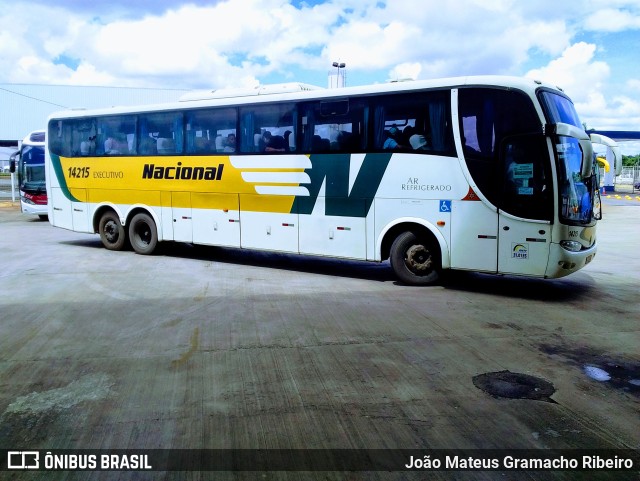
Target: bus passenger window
160	133
488	118
268	128
334	126
116	135
418	123
74	138
211	131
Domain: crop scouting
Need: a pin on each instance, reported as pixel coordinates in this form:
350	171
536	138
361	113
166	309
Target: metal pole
13	176
338	66
13	187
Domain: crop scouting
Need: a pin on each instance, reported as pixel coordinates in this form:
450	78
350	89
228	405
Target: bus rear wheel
415	261
112	233
143	233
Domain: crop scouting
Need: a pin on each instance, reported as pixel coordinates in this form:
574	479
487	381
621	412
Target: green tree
630	160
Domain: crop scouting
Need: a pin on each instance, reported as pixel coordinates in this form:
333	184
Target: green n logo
339	200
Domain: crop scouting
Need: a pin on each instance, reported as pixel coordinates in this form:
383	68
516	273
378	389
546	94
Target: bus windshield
576	194
32	172
576	199
559	109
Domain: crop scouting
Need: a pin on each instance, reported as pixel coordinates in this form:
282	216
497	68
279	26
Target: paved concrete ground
216	348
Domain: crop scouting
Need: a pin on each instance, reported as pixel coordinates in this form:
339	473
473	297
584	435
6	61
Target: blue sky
587	47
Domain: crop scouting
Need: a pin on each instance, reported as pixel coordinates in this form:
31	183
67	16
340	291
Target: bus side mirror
12	166
581	136
615	149
586	169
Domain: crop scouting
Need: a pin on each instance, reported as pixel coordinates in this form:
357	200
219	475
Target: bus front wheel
415	261
111	231
143	234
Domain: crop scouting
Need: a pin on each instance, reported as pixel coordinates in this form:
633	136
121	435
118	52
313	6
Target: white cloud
223	43
576	72
622	113
404	71
369	45
633	84
612	20
583	78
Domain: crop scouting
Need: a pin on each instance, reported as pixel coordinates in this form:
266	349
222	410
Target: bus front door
523	245
525	206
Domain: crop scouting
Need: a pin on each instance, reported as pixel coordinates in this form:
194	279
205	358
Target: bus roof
37	137
239	92
297	91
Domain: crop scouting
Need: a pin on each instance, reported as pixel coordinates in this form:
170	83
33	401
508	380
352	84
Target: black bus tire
112	233
415	261
143	233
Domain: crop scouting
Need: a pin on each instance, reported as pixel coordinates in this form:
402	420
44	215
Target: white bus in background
28	163
488	174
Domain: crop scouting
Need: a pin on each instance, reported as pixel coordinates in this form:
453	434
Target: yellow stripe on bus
141	180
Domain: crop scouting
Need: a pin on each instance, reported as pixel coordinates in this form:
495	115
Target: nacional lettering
180	172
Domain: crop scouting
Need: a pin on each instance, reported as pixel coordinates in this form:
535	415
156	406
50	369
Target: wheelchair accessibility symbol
445	206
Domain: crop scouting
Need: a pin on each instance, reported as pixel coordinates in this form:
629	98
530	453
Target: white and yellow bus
488	174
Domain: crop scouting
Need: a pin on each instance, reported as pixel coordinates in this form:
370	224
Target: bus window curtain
248	131
294	147
178	130
191	134
378	124
309	129
485	128
363	130
143	128
103	134
437	118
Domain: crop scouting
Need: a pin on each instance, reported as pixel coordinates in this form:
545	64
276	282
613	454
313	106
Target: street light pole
339	65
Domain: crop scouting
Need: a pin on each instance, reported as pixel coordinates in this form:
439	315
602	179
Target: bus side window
116	135
160	133
86	140
488	117
211	131
418	123
268	128
74	138
334	126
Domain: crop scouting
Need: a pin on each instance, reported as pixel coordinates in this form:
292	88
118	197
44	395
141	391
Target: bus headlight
572	246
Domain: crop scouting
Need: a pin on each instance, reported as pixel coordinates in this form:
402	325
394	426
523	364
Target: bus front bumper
563	262
34	209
